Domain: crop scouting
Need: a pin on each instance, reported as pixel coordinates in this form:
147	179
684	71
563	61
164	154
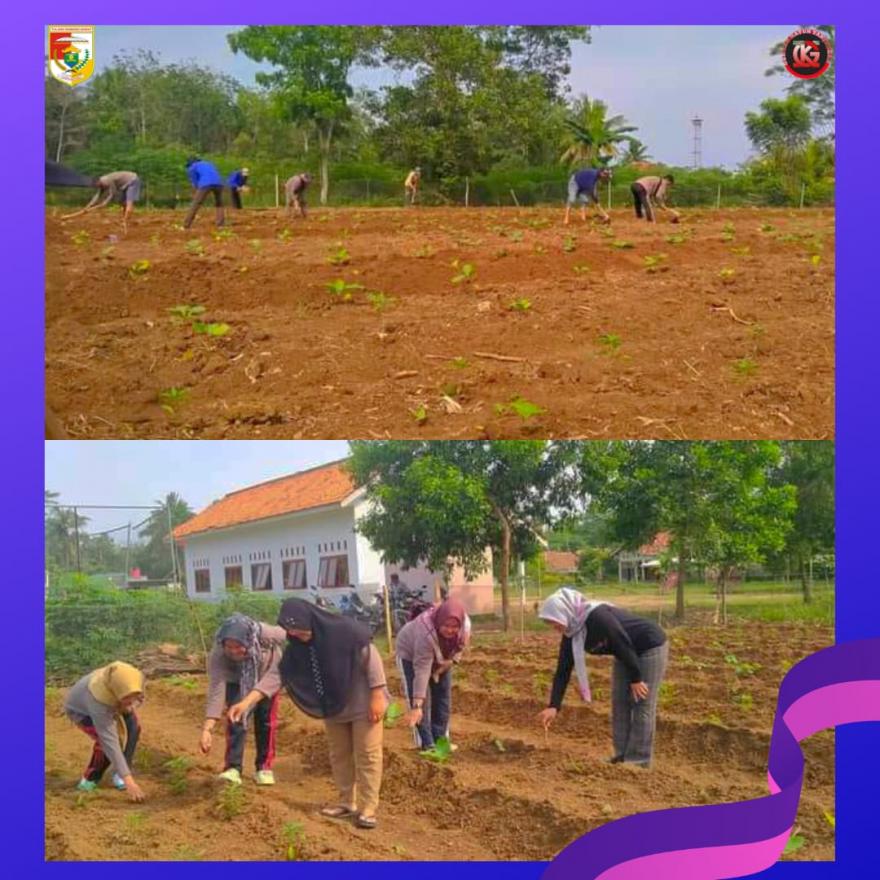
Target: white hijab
569	608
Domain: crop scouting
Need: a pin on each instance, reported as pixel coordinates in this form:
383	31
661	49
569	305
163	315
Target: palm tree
62	525
594	138
636	151
155	556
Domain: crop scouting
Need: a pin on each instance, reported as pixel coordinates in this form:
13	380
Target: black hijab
318	674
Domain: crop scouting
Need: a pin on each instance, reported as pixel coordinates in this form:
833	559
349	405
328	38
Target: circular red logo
807	54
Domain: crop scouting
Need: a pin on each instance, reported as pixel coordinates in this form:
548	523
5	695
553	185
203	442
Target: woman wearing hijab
332	671
243	675
102	705
427	648
640	654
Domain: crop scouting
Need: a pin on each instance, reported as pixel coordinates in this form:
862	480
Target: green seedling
80	238
139	268
340	258
185	312
741	251
398	850
230	801
379	301
745	367
499	745
765	227
171	398
178	769
519	406
521	305
569	244
183	681
450	389
666	694
744	701
460	363
655	263
187	854
610	341
256	244
581	269
727	236
516	235
466	273
676	239
218	329
540	249
135	822
795	842
194	247
441	753
715	719
424	252
82	799
622	245
222	234
815	260
294	835
420	414
343	289
285	235
726	275
393	714
729	228
491	675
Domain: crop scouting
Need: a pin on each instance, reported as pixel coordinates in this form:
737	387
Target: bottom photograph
422	650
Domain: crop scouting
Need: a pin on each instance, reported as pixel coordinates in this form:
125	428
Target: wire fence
469	193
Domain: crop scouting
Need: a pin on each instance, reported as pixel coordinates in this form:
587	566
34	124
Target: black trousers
235	196
642	202
265	722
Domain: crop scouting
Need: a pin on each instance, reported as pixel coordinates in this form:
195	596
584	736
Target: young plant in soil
187	853
285	235
80	238
222	234
420	414
611	342
655	263
727	275
293	835
441	753
218	329
569	244
795	842
177	769
256	244
393	714
622	245
581	269
139	269
676	239
379	301
171	398
745	367
520	305
342	289
466	272
183	681
194	247
230	802
519	406
460	363
340	258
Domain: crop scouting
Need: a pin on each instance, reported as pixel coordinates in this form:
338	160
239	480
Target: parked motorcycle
406	605
372	613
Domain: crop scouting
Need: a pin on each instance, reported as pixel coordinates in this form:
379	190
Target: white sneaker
118	782
231	775
264	777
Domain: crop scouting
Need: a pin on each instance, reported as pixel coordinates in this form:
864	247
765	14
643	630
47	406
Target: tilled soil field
509	792
446	322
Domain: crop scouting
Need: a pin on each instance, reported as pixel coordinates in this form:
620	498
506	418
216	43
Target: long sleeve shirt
222	670
237	179
81	707
416	644
369	675
202	174
610	630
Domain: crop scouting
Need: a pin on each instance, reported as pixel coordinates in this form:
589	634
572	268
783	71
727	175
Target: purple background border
858	317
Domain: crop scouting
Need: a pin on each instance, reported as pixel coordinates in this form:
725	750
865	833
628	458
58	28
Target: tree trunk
505	567
679	587
59	151
325	138
806	583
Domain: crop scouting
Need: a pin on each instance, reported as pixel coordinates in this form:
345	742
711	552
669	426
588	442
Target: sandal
363	821
337	812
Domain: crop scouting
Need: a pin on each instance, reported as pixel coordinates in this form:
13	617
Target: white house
285	535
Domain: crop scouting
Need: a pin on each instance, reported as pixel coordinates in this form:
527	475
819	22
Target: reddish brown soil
526	801
687	353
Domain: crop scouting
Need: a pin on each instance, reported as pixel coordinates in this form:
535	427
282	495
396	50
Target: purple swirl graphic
838	685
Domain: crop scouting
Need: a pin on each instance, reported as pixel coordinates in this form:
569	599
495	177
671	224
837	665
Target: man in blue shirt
237	185
205	179
583	186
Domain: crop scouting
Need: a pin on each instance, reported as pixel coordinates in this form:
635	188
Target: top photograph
346	232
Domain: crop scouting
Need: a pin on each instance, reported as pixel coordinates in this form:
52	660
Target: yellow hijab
113	683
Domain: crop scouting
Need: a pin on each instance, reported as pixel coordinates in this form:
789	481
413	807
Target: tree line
471	102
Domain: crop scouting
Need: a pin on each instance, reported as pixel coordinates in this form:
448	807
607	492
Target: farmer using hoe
295	193
243	675
101	704
583	187
206	180
427	649
332	671
123	187
648	190
238	184
640	654
411	186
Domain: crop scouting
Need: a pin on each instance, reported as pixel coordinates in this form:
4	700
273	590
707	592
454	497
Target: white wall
310	530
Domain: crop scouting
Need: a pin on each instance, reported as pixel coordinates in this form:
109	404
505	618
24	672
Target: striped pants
99	762
633	723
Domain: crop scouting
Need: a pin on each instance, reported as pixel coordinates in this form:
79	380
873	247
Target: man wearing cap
120	186
295	192
583	187
411	186
205	179
238	185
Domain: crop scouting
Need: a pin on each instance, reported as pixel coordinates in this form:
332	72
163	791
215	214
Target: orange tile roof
318	487
657	546
560	560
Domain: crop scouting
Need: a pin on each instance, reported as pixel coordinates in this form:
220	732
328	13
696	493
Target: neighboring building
643	564
284	535
560	562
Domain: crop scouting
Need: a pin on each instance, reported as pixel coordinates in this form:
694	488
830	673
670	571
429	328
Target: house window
203	580
294	574
333	571
261	576
234	576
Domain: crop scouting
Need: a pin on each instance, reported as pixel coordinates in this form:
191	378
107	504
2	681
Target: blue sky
658	77
141	471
